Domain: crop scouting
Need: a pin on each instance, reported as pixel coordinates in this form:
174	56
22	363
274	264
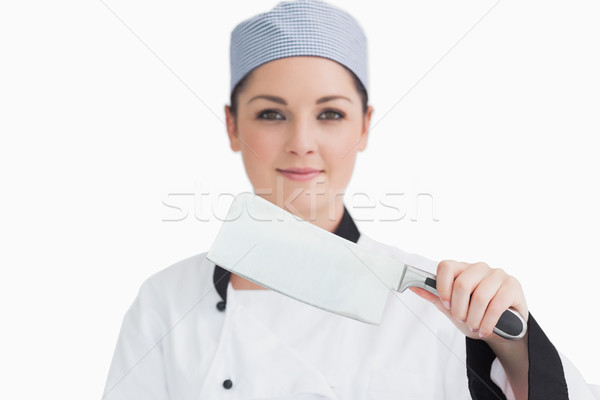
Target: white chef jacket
180	340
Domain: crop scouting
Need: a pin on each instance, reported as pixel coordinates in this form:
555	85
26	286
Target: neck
331	219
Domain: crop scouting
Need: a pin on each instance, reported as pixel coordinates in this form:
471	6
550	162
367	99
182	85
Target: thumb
430	297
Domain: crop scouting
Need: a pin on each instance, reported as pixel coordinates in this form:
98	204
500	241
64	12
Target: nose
301	140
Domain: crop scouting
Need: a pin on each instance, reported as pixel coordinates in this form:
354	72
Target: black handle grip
511	324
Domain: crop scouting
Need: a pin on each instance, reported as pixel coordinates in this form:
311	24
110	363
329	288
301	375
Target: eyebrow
280	100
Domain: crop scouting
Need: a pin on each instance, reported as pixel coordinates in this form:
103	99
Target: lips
300	170
300	174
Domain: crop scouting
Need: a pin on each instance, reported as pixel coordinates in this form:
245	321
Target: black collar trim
346	229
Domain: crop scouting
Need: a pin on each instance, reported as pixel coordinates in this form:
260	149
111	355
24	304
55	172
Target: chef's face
300	113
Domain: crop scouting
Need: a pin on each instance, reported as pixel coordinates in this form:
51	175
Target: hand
474	296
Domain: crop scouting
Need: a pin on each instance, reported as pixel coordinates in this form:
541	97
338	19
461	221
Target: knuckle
514	282
444	265
498	272
479	298
461	285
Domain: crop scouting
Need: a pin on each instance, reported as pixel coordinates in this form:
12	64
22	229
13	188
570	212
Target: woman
299	115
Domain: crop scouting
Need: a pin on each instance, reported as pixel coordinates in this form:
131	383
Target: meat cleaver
268	245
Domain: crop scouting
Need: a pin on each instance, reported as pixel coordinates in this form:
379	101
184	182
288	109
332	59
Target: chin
305	198
307	205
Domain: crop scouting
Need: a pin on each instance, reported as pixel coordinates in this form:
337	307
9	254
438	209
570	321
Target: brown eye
269	115
330	114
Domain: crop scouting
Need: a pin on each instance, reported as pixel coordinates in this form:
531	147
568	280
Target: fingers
504	298
477	295
464	285
447	270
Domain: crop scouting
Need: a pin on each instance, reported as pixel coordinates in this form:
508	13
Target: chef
299	115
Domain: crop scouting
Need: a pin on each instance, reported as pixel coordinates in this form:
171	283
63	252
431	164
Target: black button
221	306
227	384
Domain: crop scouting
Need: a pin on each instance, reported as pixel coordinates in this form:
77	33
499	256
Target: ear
234	141
364	135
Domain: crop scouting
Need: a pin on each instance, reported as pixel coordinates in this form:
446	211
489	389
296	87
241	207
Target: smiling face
299	125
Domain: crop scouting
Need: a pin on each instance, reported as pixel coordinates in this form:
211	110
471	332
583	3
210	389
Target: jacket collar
346	229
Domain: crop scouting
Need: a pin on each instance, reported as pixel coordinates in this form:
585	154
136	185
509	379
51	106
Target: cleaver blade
272	247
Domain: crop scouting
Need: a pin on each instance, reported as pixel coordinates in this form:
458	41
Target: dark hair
240	86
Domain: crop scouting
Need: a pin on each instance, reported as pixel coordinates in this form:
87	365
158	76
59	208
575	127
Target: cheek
259	150
340	156
344	142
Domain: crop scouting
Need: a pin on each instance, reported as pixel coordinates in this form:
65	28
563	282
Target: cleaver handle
511	324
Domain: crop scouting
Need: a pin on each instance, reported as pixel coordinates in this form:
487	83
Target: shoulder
413	259
178	285
181	273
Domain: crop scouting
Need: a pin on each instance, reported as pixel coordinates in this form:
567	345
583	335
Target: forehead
311	74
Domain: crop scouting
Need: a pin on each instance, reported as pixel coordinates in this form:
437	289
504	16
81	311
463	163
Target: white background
500	126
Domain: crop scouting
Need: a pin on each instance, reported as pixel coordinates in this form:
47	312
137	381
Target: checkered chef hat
298	28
